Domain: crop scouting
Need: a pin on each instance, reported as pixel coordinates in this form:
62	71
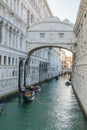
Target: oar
39	101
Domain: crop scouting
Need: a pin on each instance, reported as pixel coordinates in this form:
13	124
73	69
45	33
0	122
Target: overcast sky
64	9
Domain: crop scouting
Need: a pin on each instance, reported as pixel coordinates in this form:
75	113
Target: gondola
28	96
68	83
37	88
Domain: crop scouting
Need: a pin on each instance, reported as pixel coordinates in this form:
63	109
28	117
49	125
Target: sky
64	9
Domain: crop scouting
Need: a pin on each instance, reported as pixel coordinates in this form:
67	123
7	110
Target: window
10	34
61	35
13	73
0	59
5	60
16	61
42	35
21	41
0	32
17	6
32	18
9	60
6	33
28	13
12	61
14	38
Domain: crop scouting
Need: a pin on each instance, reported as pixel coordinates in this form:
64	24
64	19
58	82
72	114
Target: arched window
21	10
28	14
11	3
17	36
16	61
12	61
15	5
0	59
6	34
21	41
5	60
32	18
0	32
10	36
18	7
14	38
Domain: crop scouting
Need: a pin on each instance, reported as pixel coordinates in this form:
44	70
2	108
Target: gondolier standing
23	89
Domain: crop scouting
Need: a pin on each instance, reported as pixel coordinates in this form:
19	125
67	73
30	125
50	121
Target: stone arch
37	48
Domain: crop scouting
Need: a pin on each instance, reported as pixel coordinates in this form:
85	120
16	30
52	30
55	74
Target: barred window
0	59
42	35
61	35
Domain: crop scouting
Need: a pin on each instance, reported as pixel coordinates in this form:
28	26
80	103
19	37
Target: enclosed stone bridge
51	32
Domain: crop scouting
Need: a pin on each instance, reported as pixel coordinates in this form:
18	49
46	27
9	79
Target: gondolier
23	89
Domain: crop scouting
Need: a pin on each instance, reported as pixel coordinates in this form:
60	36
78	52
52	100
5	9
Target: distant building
69	62
63	59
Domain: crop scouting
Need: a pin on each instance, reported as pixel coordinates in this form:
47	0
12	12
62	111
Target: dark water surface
55	108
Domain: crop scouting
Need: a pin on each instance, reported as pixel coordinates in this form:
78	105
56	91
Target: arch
38	48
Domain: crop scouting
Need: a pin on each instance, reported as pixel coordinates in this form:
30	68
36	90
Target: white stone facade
79	76
16	16
43	65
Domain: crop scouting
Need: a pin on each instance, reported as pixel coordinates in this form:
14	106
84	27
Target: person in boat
23	89
31	88
36	88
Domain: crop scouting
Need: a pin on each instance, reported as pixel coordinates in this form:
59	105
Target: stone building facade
16	16
79	76
44	64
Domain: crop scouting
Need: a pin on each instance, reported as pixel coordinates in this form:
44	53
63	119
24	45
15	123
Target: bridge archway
49	33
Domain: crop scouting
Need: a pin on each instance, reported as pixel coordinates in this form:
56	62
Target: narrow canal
55	108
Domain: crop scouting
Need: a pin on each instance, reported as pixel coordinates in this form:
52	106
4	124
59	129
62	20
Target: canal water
54	108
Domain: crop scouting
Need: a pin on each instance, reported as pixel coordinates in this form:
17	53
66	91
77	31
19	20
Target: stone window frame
42	35
61	35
